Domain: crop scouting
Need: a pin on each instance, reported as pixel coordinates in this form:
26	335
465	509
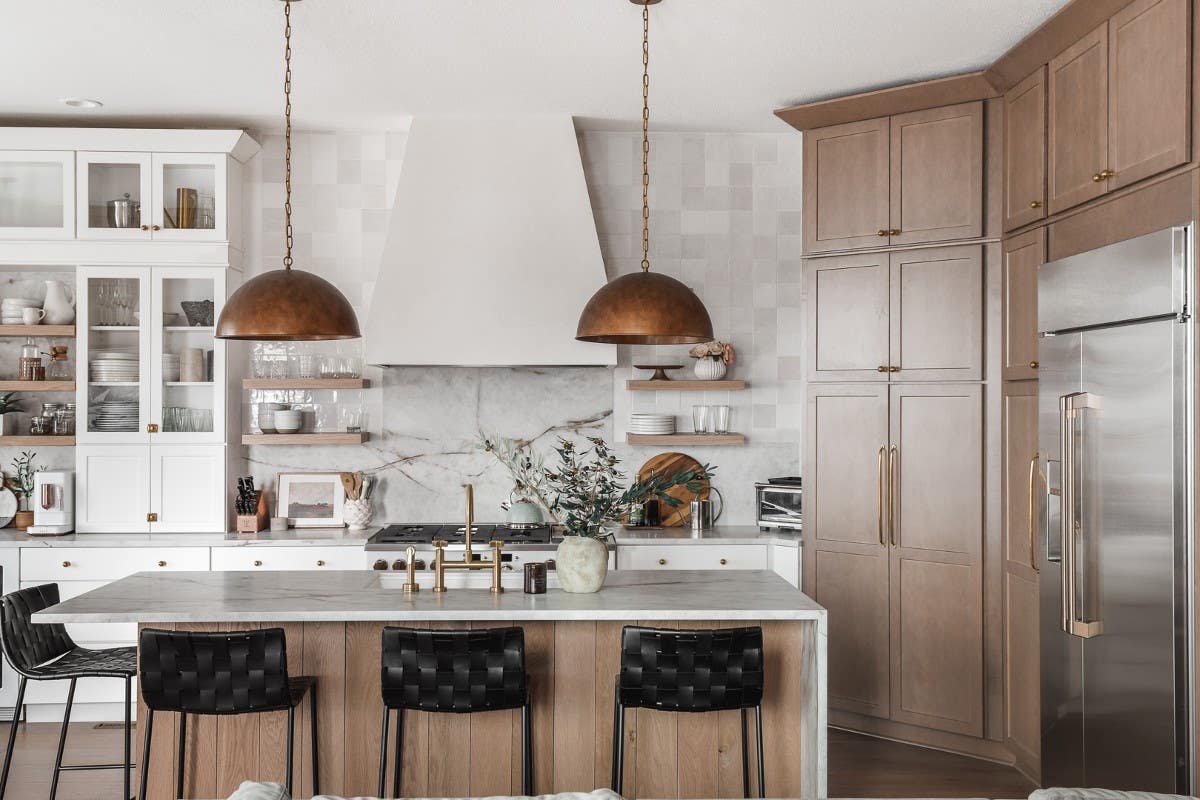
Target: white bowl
288	421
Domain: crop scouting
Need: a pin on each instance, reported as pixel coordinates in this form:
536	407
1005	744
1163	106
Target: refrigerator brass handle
892	452
1069	406
880	478
1033	468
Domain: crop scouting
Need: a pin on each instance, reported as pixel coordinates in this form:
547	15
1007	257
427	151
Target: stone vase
581	564
357	514
710	369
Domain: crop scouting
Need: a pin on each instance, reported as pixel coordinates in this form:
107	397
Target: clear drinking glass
699	419
718	419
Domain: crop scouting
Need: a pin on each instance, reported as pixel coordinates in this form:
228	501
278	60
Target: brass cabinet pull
152	517
152	427
892	493
1099	176
882	368
724	561
662	562
162	563
145	227
881	232
880	479
258	563
1034	365
894	232
893	368
320	562
155	228
1033	465
1036	204
66	563
1107	173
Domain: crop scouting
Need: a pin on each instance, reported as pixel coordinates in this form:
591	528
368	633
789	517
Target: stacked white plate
113	366
655	424
115	415
170	367
11	309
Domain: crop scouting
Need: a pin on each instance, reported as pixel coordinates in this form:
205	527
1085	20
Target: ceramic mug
33	316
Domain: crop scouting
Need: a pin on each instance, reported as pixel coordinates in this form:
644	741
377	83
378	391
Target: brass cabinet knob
893	368
257	563
66	563
162	563
145	227
152	427
320	562
1034	365
1107	173
881	368
1099	176
1036	204
155	228
152	517
724	561
894	232
662	562
881	232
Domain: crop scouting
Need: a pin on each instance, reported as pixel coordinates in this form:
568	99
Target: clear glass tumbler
699	419
718	419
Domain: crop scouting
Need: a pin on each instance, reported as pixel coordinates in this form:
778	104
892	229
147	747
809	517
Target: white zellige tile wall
725	220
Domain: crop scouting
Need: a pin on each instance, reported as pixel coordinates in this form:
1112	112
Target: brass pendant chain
645	137
287	132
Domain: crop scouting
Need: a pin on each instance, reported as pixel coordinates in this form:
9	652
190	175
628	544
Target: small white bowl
288	421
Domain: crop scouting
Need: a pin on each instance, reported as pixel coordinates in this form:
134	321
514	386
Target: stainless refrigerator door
1125	555
1060	374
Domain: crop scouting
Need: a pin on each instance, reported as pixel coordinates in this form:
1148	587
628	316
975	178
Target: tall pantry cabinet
896	279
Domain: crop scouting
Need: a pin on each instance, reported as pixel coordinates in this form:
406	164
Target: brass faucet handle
440	543
496	544
411	584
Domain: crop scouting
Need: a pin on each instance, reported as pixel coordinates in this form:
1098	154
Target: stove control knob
379	564
420	562
399	565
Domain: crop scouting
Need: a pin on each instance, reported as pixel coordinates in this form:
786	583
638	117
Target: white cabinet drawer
682	556
225	559
107	563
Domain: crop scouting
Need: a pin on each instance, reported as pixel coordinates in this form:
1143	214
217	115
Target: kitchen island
333	622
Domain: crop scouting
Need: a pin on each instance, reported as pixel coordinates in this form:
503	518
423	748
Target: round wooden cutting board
665	465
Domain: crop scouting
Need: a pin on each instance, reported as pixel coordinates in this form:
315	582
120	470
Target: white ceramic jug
59	305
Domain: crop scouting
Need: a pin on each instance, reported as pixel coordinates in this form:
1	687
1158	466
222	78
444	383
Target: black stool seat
689	671
39	652
456	672
221	673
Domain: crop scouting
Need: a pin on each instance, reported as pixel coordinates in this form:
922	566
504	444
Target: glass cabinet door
36	195
189	193
112	189
113	377
187	360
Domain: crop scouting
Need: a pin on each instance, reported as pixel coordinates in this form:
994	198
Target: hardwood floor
859	766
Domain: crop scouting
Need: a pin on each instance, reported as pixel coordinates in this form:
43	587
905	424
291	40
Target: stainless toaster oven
778	503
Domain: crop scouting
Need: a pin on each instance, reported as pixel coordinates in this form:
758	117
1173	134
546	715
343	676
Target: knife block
253	523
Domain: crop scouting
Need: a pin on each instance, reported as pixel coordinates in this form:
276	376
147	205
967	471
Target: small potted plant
21	484
8	419
712	359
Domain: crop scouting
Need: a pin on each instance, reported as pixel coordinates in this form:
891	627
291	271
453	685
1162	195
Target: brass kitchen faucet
440	564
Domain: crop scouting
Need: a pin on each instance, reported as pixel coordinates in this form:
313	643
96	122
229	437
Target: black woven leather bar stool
456	672
690	671
223	673
40	652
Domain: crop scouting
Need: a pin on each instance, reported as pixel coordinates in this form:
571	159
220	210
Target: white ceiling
370	64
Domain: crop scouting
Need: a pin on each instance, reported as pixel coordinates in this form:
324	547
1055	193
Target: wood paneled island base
333	622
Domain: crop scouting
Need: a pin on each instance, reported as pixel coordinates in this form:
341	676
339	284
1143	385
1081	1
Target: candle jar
535	577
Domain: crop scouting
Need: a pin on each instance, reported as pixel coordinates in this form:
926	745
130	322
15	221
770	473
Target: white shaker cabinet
37	199
112	489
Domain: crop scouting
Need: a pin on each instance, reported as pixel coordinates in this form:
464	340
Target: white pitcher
59	305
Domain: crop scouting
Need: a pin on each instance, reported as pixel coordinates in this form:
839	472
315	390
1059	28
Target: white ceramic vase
357	514
710	369
581	564
60	308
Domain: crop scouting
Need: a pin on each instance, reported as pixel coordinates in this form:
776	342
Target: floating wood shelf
188	328
686	386
37	441
187	383
37	386
118	328
304	438
305	383
44	331
693	439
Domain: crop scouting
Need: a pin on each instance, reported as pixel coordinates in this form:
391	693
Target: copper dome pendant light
645	307
287	305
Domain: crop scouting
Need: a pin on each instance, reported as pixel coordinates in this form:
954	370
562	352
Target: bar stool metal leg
180	755
12	735
762	790
316	772
618	760
146	754
527	749
745	758
383	749
399	752
291	744
128	771
62	741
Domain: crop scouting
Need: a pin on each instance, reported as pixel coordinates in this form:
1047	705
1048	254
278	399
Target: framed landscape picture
311	499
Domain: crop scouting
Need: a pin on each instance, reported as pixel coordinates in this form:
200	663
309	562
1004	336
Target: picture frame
311	499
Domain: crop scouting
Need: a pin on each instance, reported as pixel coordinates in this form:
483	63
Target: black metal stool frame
690	671
457	672
39	652
248	676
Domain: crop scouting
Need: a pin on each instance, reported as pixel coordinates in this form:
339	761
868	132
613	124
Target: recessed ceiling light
80	102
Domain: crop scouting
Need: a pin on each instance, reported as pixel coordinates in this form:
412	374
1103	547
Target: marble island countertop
317	596
343	537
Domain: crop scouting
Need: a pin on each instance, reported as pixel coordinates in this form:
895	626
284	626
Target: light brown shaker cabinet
894	548
907	179
912	315
1025	151
1023	255
1118	103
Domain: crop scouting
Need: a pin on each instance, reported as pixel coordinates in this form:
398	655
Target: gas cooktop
394	537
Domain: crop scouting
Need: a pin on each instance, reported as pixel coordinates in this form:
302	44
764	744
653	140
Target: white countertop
343	537
322	596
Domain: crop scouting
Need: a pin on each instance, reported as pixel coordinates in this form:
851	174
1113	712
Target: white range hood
491	250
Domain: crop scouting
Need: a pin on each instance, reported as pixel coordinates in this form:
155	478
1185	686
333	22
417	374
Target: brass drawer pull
162	563
724	561
320	563
662	562
1034	365
258	563
66	563
1036	204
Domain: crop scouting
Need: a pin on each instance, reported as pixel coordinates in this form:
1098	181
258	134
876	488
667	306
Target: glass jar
31	360
64	421
41	426
59	368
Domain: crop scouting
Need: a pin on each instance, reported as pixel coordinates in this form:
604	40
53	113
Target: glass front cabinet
37	194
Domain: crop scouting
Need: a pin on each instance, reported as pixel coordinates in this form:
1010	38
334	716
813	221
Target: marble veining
322	596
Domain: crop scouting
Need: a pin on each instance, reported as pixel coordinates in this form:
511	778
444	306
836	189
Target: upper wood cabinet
1025	151
1023	255
907	179
846	186
909	315
1118	103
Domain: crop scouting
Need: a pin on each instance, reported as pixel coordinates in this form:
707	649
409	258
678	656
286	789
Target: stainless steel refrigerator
1115	560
